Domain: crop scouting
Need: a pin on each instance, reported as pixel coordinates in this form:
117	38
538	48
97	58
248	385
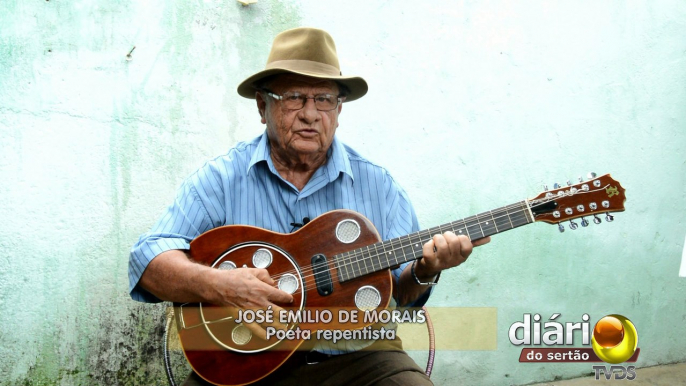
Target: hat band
307	66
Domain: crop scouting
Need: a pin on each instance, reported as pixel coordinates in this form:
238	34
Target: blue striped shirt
243	187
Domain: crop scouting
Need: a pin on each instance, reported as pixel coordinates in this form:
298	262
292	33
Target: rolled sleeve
181	222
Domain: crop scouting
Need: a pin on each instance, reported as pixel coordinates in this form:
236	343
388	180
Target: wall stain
97	335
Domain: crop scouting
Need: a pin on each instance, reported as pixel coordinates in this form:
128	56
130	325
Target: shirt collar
261	153
337	158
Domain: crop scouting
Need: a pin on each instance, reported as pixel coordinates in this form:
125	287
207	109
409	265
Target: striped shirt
243	187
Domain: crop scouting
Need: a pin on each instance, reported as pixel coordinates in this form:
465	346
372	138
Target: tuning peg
556	186
569	183
591	175
545	188
609	217
560	227
596	219
581	179
573	225
584	222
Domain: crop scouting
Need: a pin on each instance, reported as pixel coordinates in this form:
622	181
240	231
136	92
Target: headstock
587	198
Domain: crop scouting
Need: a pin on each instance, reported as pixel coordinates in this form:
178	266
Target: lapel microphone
300	225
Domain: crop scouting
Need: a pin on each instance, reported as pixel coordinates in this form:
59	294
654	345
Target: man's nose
309	111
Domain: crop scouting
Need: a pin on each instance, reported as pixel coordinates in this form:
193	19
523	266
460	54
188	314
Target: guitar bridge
322	275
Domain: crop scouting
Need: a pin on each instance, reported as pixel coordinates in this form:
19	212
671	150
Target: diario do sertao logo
614	340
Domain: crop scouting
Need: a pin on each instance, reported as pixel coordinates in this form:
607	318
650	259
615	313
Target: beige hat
305	51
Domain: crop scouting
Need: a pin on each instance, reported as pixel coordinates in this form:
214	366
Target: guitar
337	261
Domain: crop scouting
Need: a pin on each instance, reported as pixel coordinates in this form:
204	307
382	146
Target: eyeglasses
296	100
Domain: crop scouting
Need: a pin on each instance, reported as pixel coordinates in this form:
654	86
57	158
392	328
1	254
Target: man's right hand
249	289
246	288
174	277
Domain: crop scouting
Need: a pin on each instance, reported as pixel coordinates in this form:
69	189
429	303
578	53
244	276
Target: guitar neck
390	253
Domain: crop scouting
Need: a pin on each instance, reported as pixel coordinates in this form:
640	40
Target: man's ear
261	107
340	108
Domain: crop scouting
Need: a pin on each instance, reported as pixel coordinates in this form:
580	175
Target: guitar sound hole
262	258
288	283
227	265
347	231
367	298
241	335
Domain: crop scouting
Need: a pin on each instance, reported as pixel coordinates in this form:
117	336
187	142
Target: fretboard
393	252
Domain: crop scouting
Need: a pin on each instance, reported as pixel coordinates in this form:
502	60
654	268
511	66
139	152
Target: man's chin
306	147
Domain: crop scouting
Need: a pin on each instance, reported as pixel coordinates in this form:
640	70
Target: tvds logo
614	340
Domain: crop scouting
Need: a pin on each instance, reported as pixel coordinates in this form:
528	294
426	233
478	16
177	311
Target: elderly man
296	170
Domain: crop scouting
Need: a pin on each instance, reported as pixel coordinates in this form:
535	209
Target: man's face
302	132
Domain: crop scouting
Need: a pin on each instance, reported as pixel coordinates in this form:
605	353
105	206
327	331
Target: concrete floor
667	375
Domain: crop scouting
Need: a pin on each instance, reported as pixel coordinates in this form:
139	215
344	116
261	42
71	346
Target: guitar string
455	226
355	254
354	257
397	243
521	207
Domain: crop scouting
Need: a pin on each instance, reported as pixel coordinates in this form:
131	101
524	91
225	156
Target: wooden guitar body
224	352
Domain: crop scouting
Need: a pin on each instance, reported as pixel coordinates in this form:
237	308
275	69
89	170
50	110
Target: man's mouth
307	132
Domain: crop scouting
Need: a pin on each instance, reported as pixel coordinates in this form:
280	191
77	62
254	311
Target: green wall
472	105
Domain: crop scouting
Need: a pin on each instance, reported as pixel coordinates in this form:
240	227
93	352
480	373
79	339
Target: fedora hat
304	51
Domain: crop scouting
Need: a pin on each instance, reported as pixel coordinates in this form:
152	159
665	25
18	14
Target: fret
380	253
527	212
478	221
342	276
350	262
503	222
386	253
409	249
466	229
339	267
391	252
519	218
366	262
370	257
415	246
352	259
343	268
457	229
494	224
473	228
488	227
509	218
402	249
355	261
347	263
429	235
399	254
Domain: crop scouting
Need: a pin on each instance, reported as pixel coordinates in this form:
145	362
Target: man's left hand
445	251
